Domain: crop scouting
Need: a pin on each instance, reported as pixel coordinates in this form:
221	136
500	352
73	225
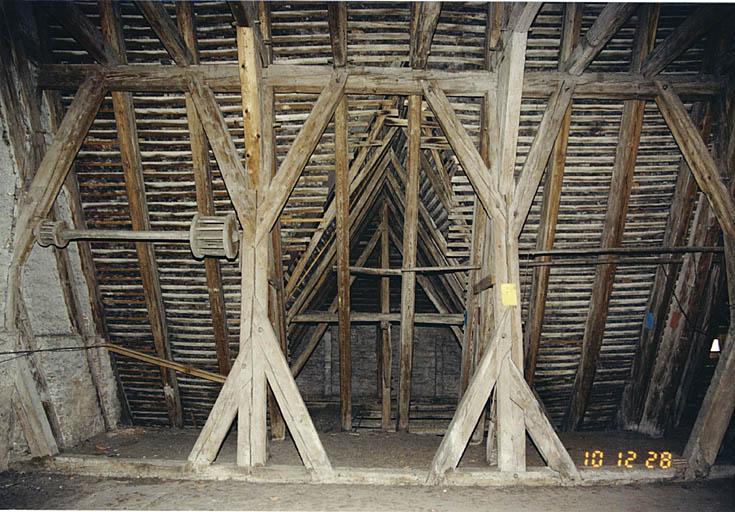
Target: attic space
367	243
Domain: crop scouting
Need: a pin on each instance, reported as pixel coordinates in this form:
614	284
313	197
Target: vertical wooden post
386	353
252	442
342	197
408	279
132	166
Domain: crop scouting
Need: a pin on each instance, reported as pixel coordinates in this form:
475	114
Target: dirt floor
58	492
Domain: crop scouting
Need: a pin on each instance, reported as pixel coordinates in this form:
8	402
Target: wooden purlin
621	185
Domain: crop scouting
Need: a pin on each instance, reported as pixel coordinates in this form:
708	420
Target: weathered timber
164	27
359	317
204	195
621	185
132	166
385	360
84	32
372	80
246	14
408	282
550	202
337	17
424	18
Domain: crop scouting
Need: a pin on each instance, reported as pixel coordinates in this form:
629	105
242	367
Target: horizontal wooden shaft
639	250
399	271
365	318
165	363
125	235
362	80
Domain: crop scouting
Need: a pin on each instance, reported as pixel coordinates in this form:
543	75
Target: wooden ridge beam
299	153
693	28
290	78
205	195
550	203
164	27
621	185
424	19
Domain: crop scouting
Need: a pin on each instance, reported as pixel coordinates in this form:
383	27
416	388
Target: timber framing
416	130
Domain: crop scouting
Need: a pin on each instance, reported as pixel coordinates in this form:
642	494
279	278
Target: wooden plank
385	361
337	17
616	213
408	282
606	25
540	428
204	195
48	180
424	19
550	201
132	166
299	153
697	155
84	32
342	198
164	27
290	78
696	25
465	150
470	406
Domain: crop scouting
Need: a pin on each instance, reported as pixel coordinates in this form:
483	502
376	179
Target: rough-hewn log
408	282
386	352
621	185
84	32
288	78
424	18
550	202
246	14
298	155
132	166
342	239
204	195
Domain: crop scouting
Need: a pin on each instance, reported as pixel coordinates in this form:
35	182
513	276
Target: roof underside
378	35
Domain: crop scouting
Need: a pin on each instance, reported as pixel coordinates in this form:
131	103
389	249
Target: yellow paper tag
508	294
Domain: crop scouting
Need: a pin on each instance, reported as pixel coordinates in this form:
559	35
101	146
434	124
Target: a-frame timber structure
399	143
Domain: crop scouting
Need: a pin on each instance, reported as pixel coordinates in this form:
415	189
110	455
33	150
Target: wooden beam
696	25
342	198
621	185
246	14
289	78
424	19
550	201
132	166
37	201
511	439
606	25
408	282
30	412
470	405
465	150
337	17
659	301
84	32
386	352
522	15
298	155
205	195
540	428
164	27
697	155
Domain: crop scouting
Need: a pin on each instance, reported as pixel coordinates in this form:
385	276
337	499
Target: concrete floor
38	491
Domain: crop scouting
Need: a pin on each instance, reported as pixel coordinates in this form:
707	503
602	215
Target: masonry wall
76	387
